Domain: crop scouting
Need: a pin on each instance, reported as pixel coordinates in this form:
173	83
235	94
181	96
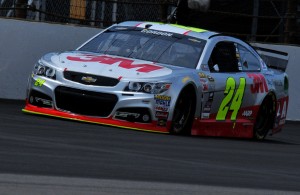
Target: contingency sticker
207	106
162	103
161	115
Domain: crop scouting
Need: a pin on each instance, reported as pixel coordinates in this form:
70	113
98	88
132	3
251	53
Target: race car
164	78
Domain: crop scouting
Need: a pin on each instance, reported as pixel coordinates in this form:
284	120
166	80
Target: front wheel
183	114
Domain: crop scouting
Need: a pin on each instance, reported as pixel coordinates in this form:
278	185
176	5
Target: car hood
108	65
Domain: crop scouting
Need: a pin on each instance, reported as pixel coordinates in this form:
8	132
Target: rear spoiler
273	58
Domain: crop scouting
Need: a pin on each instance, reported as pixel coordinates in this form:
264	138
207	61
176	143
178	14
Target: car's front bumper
101	105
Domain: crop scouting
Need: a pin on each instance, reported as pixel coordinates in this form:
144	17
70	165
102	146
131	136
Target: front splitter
151	127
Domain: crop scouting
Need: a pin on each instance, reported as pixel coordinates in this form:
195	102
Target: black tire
265	118
184	113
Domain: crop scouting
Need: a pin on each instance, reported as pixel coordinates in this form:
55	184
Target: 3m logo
259	83
124	63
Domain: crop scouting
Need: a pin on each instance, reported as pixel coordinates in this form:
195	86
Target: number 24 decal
232	101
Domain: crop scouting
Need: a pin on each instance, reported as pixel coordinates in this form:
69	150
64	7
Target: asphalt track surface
67	156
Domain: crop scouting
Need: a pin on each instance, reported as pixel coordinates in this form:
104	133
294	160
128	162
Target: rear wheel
183	114
265	118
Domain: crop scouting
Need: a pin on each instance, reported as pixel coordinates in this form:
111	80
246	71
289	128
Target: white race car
163	78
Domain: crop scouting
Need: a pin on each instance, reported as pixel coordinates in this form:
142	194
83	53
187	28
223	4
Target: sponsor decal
162	102
123	63
207	107
39	82
159	114
194	40
205	87
247	113
205	115
210	78
126	114
202	75
147	31
185	79
259	83
162	122
43	101
203	80
162	97
161	108
88	79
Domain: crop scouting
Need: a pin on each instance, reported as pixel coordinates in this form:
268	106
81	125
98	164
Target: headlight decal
134	86
43	70
148	87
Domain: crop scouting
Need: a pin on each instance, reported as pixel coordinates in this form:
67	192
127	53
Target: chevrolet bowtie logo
88	79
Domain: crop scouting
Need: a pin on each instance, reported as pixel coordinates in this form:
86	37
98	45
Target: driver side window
224	58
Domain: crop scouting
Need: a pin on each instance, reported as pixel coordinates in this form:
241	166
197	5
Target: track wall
22	43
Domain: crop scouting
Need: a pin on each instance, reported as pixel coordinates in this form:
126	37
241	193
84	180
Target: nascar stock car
163	78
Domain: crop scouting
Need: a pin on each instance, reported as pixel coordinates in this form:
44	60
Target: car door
230	99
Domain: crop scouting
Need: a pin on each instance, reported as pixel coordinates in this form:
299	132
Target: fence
86	12
255	20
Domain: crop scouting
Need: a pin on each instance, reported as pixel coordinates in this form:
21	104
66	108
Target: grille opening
85	102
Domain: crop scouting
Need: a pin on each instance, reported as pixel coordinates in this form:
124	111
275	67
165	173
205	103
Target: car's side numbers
232	101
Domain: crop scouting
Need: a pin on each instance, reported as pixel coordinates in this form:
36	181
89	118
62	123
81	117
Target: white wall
22	43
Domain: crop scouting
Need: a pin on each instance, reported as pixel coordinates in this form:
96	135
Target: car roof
174	28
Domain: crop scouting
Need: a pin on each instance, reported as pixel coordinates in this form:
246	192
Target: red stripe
139	24
187	32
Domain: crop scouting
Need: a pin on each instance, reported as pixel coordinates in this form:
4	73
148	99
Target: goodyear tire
265	118
183	113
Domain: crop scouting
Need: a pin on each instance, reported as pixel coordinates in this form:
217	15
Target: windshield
150	45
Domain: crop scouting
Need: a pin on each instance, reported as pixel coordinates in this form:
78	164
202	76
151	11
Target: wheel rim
261	123
263	120
182	113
